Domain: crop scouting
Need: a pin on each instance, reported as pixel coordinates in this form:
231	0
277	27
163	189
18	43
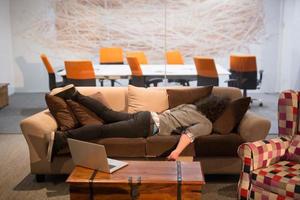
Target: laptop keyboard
111	166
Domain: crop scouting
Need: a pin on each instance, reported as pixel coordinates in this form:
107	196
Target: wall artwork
195	27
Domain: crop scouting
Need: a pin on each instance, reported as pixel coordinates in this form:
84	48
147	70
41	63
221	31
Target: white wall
277	53
6	66
289	50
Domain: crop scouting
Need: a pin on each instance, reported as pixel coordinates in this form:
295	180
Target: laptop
93	156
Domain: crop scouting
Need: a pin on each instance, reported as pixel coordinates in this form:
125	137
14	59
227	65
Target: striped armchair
266	172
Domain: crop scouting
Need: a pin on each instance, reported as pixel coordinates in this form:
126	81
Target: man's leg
139	126
108	115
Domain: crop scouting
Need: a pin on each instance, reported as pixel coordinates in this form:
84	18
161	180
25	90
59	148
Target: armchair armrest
256	155
262	153
253	127
34	129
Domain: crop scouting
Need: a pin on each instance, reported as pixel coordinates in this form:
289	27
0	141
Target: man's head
212	106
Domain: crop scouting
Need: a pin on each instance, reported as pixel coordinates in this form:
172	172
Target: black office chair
137	78
110	56
80	73
243	75
206	71
51	74
175	58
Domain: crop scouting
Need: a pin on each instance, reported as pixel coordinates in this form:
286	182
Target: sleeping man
188	120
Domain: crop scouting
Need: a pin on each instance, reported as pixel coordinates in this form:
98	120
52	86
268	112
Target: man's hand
174	155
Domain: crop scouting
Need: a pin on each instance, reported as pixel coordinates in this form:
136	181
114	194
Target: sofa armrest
253	127
257	155
34	129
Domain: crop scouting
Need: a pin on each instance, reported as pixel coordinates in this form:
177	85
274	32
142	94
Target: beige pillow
147	99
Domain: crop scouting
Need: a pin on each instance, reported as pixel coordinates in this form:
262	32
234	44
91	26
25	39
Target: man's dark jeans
117	124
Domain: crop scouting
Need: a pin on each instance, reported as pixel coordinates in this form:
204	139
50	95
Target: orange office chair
142	59
243	75
80	73
175	58
137	78
206	71
52	79
110	55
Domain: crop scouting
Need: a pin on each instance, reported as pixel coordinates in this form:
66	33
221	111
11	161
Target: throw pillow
147	99
231	116
100	97
61	112
293	152
83	114
177	97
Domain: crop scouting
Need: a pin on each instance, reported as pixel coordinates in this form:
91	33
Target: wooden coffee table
139	180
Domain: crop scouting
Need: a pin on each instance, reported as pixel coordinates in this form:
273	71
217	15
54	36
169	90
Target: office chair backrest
243	68
205	66
243	63
174	57
50	70
141	57
47	64
111	55
80	73
206	71
134	66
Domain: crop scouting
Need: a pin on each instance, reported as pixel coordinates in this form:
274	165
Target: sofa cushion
124	147
162	146
147	99
180	96
100	97
215	145
231	116
282	178
61	112
116	97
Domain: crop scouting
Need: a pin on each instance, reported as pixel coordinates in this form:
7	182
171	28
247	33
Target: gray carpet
21	105
16	182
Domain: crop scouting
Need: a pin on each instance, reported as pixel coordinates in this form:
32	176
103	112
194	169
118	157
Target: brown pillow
83	114
231	116
100	97
61	112
177	97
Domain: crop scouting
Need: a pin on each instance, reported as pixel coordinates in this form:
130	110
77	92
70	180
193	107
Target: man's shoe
57	141
65	92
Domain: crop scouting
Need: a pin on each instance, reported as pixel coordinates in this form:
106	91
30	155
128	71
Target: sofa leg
40	178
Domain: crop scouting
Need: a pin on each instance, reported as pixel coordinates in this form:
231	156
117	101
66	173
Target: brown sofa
217	153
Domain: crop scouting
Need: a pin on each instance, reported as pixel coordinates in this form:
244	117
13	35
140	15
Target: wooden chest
3	95
139	180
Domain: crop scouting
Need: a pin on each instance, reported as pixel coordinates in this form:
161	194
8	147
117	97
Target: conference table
111	72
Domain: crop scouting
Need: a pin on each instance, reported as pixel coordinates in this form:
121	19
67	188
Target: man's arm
184	141
188	137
